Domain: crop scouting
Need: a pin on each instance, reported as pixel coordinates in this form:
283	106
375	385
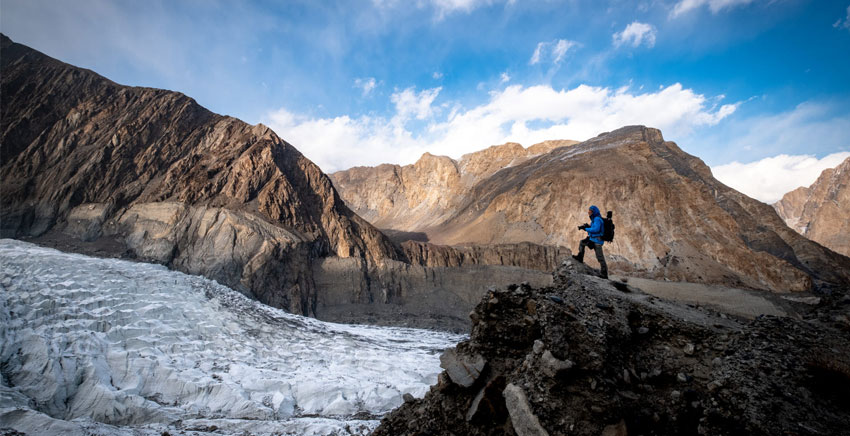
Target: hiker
593	240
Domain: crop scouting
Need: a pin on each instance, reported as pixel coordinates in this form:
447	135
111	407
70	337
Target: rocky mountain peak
674	220
820	212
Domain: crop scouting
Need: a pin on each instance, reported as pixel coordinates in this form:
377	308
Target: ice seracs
117	347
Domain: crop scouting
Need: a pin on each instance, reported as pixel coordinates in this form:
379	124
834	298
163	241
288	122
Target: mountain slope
183	186
91	166
674	220
424	194
821	212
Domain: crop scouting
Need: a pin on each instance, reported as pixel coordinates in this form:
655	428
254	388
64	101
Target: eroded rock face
821	212
639	365
425	194
180	185
674	220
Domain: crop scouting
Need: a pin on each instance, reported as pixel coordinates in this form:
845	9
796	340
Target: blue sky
756	88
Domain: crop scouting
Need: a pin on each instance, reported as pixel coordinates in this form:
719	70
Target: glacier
113	347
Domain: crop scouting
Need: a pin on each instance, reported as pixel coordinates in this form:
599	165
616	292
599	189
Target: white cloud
443	7
437	75
367	85
843	24
715	6
527	115
504	78
636	34
408	103
769	179
554	50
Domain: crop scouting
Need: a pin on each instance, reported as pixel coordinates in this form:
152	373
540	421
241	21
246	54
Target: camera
583	226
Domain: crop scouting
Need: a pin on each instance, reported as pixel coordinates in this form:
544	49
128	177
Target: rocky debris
462	369
674	220
688	371
819	212
523	420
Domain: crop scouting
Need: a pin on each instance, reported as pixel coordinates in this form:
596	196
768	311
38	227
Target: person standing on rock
593	240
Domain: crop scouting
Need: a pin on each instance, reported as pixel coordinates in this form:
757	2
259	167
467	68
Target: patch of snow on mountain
107	346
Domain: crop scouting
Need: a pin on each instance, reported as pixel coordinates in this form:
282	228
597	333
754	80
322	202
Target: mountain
422	195
112	347
590	357
674	219
821	212
88	164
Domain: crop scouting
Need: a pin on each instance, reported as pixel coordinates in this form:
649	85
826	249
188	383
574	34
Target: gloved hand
582	227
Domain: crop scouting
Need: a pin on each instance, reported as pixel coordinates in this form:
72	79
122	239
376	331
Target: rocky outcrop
674	220
821	212
592	357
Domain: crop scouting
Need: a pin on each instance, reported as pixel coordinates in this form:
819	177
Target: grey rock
525	422
553	366
618	429
689	349
408	398
462	370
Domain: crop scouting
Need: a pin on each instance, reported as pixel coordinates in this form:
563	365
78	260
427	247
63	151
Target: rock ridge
588	356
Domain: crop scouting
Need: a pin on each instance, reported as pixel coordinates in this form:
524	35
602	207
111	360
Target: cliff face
592	357
427	193
180	185
162	179
821	212
674	220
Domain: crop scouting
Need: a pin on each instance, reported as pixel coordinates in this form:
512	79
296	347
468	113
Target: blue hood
595	211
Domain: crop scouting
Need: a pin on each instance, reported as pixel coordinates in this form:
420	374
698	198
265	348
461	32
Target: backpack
608	228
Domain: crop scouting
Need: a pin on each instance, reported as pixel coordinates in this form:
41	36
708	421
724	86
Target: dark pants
586	242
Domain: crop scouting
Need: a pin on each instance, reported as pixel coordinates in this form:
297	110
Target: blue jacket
597	228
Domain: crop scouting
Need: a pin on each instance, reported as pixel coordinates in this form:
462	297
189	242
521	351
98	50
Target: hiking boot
580	260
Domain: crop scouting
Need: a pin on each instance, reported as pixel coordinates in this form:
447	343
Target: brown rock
821	212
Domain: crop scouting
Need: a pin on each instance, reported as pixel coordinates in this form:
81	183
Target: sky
758	89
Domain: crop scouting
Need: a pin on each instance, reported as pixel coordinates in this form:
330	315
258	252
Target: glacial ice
106	346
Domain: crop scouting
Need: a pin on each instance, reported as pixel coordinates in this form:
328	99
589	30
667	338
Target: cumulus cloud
845	23
552	50
410	103
769	179
527	115
715	6
367	85
636	34
504	77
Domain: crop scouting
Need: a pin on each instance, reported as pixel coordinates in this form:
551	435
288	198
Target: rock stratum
150	174
593	357
821	212
674	220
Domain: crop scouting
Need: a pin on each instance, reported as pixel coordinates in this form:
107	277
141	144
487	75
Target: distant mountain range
821	212
674	219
